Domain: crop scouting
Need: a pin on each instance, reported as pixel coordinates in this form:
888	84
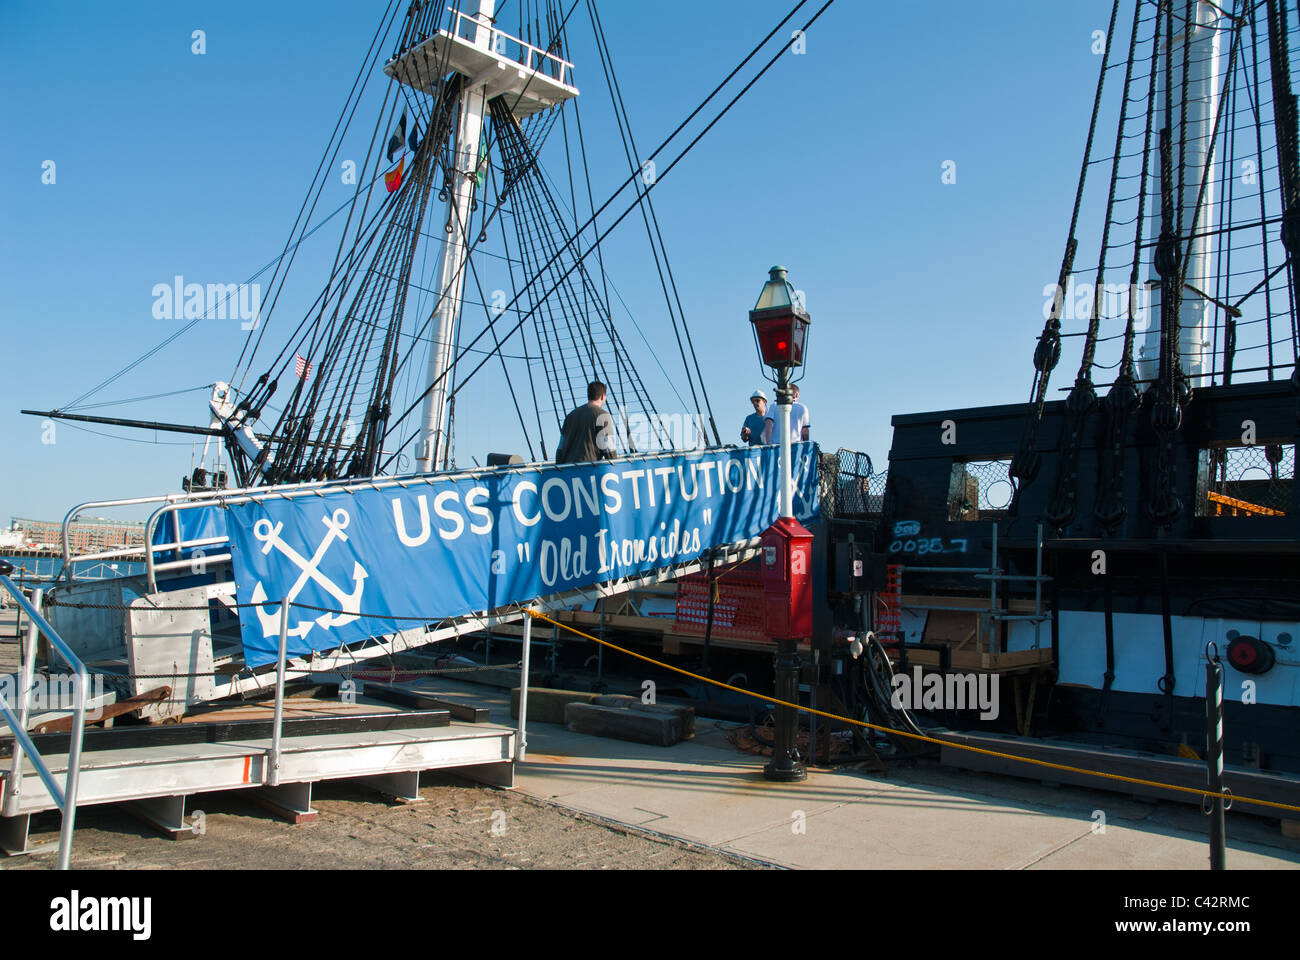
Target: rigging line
381	392
716	90
113	436
441	237
591	205
152	396
536	183
197	320
546	245
545	344
523	337
377	230
336	326
376	134
1094	321
573	199
1213	137
620	116
337	138
1223	265
310	325
725	110
1043	370
531	230
566	292
1128	373
368	300
617	90
533	184
505	372
1025	464
689	146
610	284
1285	122
726	80
620	361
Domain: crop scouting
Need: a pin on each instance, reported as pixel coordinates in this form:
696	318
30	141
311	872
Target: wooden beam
421	701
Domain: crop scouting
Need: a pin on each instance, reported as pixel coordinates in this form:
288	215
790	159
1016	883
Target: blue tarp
200	523
462	545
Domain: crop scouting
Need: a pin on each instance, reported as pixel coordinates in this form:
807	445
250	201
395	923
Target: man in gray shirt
588	432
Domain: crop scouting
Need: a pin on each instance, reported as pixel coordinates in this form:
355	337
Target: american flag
301	367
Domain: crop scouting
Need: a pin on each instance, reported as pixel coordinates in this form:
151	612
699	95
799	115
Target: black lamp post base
785	770
784	767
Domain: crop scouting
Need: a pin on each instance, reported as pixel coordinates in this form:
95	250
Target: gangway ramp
385	566
244	591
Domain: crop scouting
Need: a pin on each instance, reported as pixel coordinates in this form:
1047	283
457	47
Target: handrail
564	65
66	799
191	497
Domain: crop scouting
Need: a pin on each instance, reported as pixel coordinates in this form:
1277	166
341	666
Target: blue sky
924	295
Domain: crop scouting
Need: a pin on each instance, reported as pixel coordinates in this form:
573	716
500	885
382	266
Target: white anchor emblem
349	604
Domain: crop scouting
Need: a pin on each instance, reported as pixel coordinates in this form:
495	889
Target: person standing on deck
757	429
800	418
588	432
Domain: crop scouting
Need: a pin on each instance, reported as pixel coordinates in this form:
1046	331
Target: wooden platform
156	768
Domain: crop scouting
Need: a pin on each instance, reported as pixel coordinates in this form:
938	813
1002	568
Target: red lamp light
780	323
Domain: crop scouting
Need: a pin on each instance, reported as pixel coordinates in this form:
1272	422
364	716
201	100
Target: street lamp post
781	330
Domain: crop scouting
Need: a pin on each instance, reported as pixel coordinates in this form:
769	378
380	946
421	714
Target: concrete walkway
707	792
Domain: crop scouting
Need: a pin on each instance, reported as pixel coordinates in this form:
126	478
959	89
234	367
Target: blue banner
459	545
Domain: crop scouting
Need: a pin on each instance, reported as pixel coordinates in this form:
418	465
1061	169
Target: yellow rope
913	736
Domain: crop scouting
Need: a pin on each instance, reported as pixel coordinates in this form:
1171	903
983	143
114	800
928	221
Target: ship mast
494	65
1194	79
462	181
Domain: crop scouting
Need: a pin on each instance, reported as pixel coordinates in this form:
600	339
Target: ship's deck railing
141	551
65	796
468	27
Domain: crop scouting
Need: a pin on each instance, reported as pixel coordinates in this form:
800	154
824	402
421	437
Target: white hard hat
758	395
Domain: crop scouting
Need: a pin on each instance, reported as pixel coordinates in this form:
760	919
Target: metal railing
468	27
66	796
994	575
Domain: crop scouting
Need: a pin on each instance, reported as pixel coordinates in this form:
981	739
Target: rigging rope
662	176
1025	464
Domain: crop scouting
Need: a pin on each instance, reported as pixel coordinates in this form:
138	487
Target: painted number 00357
934	545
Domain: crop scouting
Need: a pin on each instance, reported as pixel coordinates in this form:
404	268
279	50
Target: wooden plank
108	712
293	708
546	704
682	712
638	726
584	620
125	738
974	661
421	701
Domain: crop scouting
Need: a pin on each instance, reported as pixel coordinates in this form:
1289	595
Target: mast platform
531	79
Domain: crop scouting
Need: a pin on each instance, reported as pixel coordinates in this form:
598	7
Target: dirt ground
458	826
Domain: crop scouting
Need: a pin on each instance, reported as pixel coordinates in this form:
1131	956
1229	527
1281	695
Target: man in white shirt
800	419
